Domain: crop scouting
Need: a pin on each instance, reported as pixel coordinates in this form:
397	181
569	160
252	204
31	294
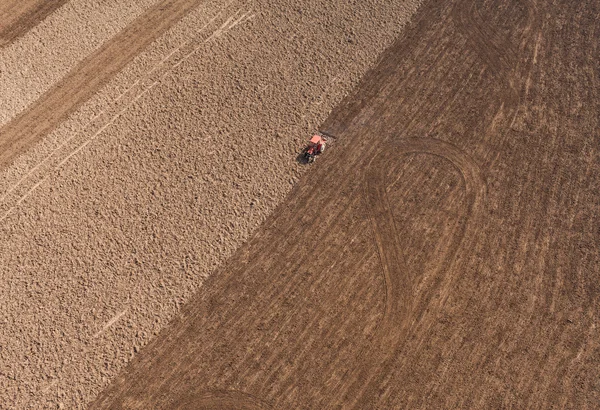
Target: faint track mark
220	400
111	322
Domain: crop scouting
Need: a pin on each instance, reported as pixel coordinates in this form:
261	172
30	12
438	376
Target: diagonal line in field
228	25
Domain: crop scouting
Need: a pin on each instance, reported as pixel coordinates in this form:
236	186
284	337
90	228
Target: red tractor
316	146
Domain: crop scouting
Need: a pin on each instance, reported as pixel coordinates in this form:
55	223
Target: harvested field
128	181
444	253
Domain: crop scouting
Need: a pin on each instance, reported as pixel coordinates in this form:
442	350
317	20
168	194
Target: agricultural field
163	248
443	254
142	143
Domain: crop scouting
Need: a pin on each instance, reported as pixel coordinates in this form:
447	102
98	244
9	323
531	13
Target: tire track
87	77
108	116
400	282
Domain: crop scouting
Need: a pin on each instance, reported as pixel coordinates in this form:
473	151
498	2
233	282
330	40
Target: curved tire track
400	282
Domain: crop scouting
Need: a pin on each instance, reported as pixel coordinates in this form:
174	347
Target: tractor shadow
302	159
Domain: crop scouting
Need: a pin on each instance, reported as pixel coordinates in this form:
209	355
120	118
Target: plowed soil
444	253
139	155
87	77
17	17
42	42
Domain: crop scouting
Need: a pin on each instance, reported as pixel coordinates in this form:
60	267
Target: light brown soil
444	253
46	52
87	77
112	221
17	17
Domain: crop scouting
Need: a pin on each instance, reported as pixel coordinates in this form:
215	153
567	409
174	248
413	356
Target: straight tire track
87	77
28	15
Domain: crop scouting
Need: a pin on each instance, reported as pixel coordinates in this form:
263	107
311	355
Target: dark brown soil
444	253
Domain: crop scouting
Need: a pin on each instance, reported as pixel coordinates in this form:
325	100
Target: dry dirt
17	17
47	50
135	175
444	253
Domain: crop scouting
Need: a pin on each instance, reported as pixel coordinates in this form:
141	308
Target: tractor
316	146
